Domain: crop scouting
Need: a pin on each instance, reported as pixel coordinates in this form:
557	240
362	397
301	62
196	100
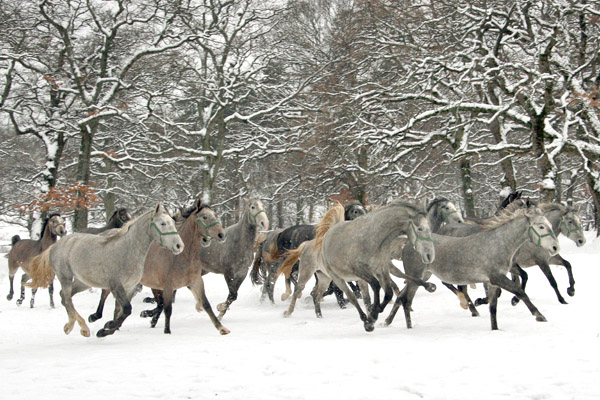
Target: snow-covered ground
448	354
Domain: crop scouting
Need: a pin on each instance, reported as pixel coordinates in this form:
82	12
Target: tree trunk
83	176
593	181
467	189
280	218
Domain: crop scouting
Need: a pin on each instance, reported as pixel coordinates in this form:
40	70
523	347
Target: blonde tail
41	271
291	257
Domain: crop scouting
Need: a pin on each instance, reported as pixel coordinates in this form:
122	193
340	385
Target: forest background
123	103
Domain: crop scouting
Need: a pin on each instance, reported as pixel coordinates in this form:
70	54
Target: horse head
540	231
419	235
208	225
353	210
571	227
56	225
257	214
163	230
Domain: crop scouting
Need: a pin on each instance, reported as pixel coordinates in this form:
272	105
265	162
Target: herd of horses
349	252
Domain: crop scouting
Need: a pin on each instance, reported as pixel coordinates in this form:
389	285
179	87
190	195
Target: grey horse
368	258
485	257
563	220
114	261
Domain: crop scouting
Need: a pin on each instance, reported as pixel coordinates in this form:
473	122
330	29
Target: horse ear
198	203
158	209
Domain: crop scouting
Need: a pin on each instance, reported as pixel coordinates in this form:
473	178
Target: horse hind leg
24	278
69	289
11	291
123	298
98	314
233	284
503	282
51	294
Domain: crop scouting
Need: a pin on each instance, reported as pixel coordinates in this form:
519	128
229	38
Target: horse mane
511	212
547	207
409	208
436	202
333	216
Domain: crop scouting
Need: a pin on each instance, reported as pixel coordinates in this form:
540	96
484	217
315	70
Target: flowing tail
258	273
333	216
41	271
291	258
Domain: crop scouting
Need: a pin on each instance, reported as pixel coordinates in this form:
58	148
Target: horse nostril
555	249
220	236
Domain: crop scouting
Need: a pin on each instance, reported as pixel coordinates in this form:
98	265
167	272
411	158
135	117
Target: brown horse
165	272
23	251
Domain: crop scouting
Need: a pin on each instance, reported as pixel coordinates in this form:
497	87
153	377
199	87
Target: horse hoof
224	331
167	331
475	314
93	318
514	301
146	314
540	318
430	287
562	301
111	325
150	300
286	314
104	332
19	302
571	291
68	328
85	332
369	327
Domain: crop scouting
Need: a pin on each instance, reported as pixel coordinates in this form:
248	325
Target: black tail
15	239
258	273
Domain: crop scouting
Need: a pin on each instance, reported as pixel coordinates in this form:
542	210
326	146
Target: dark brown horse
165	272
117	220
23	251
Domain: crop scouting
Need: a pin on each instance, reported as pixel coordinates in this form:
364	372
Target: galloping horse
114	261
165	272
231	258
485	257
23	251
361	249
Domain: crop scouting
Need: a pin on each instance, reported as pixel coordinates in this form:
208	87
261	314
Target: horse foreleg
98	314
559	260
545	267
198	290
493	293
304	274
233	284
458	293
288	289
369	323
430	287
505	283
464	294
366	296
517	274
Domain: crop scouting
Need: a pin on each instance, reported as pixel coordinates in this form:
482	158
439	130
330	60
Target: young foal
115	262
482	257
23	251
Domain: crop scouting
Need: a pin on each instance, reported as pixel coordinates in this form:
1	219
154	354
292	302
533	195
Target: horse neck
191	241
386	227
508	237
245	229
138	236
554	217
435	222
48	238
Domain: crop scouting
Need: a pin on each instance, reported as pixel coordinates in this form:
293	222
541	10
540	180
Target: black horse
117	220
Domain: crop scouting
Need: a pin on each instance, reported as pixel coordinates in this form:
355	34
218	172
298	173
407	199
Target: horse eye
204	217
163	224
542	227
420	229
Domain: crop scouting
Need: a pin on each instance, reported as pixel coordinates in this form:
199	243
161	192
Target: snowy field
448	354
